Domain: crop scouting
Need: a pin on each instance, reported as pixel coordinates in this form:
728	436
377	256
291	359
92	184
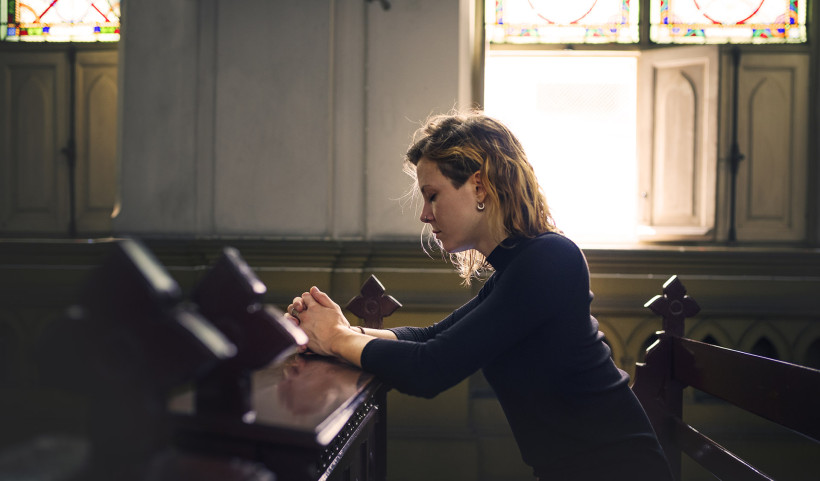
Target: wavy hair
461	144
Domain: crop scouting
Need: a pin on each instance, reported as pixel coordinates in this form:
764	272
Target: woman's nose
425	217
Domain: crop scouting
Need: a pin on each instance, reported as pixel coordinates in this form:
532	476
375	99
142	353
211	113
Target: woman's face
456	222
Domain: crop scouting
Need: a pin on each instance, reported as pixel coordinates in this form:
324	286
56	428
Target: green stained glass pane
561	21
60	20
727	21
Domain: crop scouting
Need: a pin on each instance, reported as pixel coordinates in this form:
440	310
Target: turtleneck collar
505	252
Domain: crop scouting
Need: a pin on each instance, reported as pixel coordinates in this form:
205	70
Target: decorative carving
674	306
372	304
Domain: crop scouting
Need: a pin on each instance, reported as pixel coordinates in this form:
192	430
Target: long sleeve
546	283
421	334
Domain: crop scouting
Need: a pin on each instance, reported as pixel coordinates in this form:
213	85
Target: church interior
278	129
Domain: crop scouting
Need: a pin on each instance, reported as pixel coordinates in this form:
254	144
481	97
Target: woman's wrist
348	346
339	342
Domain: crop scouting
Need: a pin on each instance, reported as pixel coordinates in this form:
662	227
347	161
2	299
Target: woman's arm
545	291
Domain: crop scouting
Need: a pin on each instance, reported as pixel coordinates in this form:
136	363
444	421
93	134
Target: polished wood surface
305	397
308	412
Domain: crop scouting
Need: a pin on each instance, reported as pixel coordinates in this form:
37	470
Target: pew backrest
786	394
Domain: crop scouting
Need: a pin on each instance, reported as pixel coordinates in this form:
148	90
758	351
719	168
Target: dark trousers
641	459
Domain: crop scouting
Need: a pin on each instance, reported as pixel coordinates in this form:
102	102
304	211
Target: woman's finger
322	298
308	300
292	315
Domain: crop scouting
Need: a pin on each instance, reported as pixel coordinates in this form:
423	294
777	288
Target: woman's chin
449	248
452	250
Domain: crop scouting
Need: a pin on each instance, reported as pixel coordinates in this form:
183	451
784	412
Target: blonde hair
462	144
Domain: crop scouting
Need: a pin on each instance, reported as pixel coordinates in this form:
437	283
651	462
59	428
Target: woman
529	329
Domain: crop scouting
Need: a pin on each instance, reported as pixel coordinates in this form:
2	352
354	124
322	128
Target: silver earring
480	206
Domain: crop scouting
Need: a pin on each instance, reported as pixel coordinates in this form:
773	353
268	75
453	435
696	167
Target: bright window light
576	118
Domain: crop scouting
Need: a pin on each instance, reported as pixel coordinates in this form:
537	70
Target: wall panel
33	130
773	117
97	119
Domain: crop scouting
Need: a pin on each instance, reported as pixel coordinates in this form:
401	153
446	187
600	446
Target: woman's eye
432	197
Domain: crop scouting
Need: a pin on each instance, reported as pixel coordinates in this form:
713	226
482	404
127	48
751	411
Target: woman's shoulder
547	250
554	242
551	249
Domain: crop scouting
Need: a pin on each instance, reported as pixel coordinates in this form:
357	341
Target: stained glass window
728	21
60	20
561	21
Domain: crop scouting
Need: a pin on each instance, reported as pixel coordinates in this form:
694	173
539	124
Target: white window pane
576	117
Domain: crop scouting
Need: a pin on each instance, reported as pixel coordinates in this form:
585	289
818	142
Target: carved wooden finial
674	306
372	304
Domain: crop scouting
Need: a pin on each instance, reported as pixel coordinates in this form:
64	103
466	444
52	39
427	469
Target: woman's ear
480	191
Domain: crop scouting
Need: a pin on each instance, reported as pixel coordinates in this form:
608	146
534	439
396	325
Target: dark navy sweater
530	330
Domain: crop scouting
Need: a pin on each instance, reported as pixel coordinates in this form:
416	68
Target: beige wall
280	118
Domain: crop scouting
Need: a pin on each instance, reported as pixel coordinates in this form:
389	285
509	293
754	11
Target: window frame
717	233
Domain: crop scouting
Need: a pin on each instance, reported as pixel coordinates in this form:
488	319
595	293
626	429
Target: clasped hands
321	319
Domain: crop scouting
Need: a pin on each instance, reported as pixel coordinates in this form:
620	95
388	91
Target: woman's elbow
425	389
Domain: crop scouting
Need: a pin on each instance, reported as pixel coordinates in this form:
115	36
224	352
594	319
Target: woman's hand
321	319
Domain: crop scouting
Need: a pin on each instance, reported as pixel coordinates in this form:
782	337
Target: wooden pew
307	418
122	349
242	407
784	393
